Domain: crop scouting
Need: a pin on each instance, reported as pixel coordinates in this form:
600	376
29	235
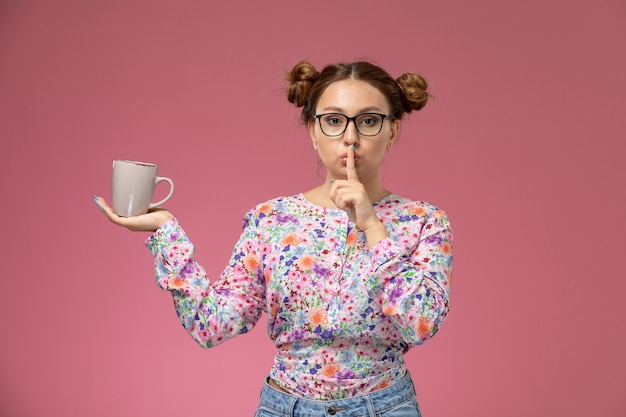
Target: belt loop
370	406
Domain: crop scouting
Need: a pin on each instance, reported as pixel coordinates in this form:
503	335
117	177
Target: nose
351	135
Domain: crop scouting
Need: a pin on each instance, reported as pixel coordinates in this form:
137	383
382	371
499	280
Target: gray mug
133	186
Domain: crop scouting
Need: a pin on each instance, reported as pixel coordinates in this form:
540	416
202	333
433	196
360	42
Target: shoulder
422	218
405	206
412	213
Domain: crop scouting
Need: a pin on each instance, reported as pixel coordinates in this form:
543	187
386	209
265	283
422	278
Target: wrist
375	232
164	218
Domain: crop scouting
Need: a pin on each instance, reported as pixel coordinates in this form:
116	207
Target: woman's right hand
148	222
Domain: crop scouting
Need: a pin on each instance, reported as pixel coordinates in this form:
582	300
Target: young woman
350	275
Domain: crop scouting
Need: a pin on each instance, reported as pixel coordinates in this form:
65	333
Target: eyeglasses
367	124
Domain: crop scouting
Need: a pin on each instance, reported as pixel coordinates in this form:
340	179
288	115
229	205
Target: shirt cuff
169	232
383	252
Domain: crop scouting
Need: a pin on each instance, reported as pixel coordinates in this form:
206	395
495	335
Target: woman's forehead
352	95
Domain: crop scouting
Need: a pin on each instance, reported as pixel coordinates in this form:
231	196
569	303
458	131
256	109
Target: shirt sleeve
211	313
413	284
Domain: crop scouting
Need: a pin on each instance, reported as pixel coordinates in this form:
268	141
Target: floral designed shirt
341	315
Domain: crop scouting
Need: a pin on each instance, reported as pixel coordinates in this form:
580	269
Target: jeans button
332	411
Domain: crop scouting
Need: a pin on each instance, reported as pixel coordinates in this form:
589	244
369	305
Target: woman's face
351	98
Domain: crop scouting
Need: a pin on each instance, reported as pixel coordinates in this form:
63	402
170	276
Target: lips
344	158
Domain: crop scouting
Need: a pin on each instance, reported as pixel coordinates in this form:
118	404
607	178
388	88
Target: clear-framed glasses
367	124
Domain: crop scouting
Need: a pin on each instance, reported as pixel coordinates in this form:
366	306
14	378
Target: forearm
417	305
211	313
413	283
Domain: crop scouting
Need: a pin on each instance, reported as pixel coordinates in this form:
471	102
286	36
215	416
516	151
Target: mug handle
158	180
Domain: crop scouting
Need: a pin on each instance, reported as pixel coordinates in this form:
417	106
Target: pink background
523	147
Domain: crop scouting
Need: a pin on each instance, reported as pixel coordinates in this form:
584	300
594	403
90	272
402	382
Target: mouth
344	158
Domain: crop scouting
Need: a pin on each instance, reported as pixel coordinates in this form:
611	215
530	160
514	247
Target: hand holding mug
132	189
148	222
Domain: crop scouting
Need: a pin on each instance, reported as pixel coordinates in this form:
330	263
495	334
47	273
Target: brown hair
405	94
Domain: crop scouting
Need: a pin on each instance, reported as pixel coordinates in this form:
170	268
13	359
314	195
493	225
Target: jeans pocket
267	412
409	408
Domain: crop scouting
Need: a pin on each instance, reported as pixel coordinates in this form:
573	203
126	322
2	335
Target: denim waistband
362	405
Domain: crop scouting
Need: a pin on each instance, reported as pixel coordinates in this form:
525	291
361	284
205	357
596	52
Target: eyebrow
363	110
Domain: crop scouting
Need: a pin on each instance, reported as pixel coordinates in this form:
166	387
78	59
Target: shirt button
332	411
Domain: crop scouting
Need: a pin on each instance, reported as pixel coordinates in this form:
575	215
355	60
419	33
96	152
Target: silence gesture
350	195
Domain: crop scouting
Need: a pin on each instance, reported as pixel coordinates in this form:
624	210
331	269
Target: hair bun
301	78
414	87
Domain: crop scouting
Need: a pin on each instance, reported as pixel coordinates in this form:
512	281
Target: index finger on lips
350	165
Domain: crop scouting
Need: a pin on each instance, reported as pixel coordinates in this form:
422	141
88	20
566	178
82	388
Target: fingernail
95	200
331	181
352	146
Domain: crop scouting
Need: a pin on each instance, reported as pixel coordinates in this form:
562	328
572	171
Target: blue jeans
396	400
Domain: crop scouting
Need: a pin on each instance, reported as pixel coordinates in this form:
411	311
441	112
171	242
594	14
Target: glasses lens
333	124
369	124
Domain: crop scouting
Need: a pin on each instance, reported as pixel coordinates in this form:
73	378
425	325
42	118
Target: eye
333	120
369	120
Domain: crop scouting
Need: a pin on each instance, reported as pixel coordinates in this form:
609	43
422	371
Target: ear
395	130
311	128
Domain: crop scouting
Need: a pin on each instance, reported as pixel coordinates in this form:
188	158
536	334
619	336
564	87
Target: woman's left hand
350	195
